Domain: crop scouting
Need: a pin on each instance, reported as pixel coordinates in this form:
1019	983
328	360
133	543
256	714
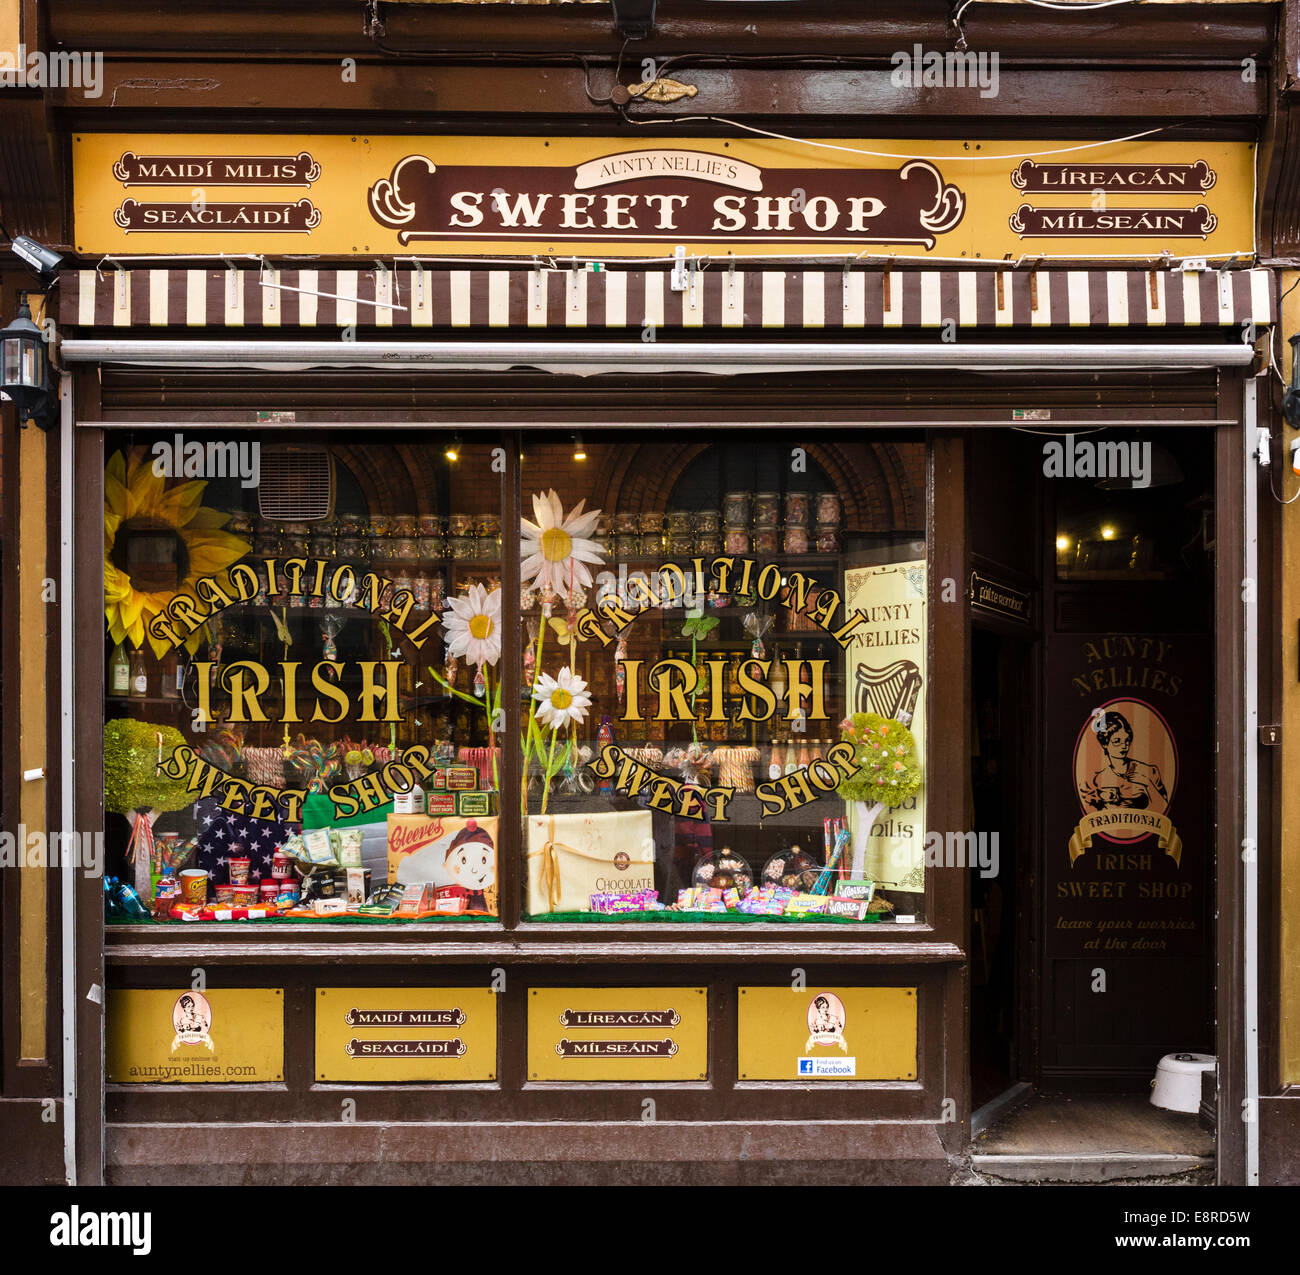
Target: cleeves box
446	850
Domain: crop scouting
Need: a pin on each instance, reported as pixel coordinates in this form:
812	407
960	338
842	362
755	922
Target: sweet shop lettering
284	805
669	795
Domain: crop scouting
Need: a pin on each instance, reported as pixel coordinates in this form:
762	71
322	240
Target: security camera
45	261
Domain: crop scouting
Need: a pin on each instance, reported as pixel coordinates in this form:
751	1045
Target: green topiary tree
134	787
889	772
131	779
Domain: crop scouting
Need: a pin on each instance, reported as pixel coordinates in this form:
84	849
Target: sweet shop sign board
618	1033
185	1036
336	195
827	1033
405	1034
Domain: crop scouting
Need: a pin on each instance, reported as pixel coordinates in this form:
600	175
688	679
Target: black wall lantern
1291	399
25	370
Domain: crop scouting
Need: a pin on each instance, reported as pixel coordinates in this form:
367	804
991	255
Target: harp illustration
889	691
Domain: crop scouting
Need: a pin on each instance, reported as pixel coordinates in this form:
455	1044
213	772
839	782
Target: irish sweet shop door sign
1127	870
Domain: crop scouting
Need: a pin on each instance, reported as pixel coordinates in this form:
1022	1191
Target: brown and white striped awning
714	298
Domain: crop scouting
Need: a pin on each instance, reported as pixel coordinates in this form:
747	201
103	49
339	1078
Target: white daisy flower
561	699
473	625
555	549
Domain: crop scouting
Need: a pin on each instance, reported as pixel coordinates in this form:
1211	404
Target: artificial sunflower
187	542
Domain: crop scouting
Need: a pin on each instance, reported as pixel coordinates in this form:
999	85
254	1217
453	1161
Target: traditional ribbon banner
1127	824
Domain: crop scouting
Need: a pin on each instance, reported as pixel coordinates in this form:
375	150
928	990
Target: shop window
726	648
302	710
723	652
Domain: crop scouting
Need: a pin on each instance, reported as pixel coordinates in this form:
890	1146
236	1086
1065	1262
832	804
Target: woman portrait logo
1125	770
192	1021
826	1019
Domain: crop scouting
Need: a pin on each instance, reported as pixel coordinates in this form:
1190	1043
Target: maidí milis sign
336	196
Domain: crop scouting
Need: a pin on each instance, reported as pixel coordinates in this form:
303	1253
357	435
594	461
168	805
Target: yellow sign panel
221	1036
618	1033
11	26
827	1033
332	195
372	1034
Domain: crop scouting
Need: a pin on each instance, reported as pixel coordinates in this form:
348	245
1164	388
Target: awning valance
715	298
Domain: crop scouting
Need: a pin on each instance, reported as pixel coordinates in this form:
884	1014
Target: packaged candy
839	905
349	847
317	847
474	803
810	904
358	886
416	898
860	889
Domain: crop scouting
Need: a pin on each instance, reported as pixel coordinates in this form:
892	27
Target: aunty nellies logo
826	1018
1125	771
192	1021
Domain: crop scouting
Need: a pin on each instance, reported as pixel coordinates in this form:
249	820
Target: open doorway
1092	754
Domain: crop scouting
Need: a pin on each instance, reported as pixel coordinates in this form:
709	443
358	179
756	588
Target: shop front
573	718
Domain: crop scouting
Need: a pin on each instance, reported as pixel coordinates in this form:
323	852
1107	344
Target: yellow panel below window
180	1036
827	1033
618	1033
377	1034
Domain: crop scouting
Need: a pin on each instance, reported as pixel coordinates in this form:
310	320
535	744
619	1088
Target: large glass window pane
725	644
302	714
